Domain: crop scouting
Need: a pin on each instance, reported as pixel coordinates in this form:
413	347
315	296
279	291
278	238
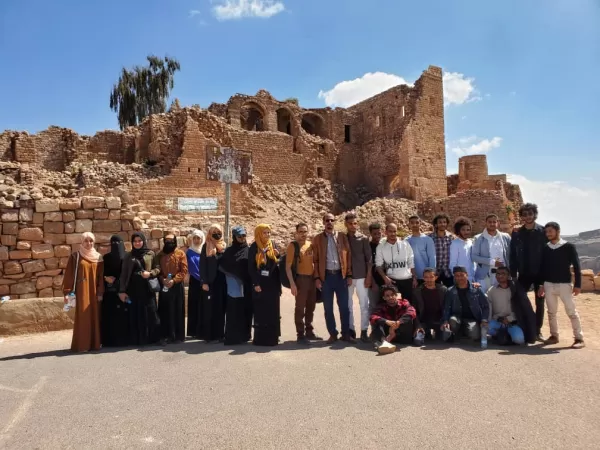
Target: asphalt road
201	396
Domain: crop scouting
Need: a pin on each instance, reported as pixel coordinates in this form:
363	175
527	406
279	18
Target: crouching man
394	319
466	308
511	309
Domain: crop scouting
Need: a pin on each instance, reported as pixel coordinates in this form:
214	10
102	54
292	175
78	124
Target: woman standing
264	272
212	310
195	244
83	277
114	323
460	249
238	329
136	274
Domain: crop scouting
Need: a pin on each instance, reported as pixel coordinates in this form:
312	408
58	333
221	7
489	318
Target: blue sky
521	77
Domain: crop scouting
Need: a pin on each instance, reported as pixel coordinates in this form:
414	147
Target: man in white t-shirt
395	262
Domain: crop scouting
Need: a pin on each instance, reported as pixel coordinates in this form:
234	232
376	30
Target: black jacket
519	263
523	311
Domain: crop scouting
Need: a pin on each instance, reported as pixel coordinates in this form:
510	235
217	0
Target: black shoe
302	340
313	337
364	337
162	342
353	333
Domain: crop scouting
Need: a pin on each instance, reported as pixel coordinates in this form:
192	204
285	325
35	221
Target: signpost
229	166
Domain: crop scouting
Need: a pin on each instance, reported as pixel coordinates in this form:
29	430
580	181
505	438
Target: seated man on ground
428	300
394	318
466	308
511	309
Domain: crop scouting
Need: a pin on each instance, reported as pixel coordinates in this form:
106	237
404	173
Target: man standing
395	263
375	291
333	275
510	308
557	259
428	299
422	246
526	247
300	253
171	302
362	261
466	308
442	240
491	250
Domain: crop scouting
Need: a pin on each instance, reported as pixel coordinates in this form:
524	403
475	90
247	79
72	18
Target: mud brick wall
37	238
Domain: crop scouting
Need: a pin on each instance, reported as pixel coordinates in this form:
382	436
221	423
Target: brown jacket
319	244
174	263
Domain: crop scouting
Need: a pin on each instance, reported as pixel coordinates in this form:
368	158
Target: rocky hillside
588	247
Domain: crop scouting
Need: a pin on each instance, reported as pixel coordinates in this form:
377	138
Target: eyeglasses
329	220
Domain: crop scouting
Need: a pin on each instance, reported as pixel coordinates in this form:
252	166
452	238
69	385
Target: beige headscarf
91	255
213	246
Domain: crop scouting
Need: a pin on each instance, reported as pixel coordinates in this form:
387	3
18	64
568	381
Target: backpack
285	282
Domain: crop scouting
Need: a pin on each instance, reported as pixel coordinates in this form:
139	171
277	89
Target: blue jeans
336	284
514	331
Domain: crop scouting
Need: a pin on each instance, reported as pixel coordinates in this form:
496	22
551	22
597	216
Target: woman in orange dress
88	289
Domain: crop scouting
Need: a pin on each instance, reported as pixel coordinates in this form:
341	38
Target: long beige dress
86	330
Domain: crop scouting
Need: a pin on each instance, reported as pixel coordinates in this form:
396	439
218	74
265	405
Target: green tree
143	91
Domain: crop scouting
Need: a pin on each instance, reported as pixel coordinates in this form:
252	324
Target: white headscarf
201	235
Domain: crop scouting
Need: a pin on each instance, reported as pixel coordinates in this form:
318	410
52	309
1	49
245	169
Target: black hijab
114	259
138	253
235	260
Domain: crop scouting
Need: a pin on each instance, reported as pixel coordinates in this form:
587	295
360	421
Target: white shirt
460	255
496	248
396	260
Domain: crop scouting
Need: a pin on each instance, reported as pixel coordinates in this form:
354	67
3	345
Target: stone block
90	202
6	281
154	244
26	287
20	254
51	263
9	241
47	205
73	239
114	214
61	251
38	218
156	233
3	253
42	251
12	268
137	223
75	247
70	227
43	283
127	246
144	215
24	245
57	281
10	215
4	289
103	249
126	225
58	292
113	202
54	227
103	238
69	204
46	293
17	276
49	273
54	239
84	214
33	266
31	234
100	214
53	217
68	216
137	207
25	214
127	215
10	228
83	225
107	226
62	262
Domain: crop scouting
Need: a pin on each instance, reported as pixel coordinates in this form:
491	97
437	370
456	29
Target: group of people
438	285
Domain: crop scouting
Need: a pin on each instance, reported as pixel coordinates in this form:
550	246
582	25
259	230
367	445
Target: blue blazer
480	252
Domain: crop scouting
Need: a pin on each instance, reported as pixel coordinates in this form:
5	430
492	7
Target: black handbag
154	284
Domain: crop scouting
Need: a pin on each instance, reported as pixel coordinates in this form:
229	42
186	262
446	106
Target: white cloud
472	145
348	93
194	12
239	9
459	89
570	206
513	93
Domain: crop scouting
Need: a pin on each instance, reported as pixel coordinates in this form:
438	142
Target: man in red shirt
394	319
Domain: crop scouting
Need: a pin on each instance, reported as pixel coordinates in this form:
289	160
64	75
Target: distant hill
588	247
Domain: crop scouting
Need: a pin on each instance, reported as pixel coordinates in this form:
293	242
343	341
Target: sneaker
540	337
364	337
349	339
578	343
302	340
333	338
313	337
552	340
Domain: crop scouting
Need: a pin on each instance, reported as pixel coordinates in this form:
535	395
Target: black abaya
212	310
171	311
144	322
114	321
194	316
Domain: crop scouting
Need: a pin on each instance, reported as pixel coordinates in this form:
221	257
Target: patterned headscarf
213	246
265	248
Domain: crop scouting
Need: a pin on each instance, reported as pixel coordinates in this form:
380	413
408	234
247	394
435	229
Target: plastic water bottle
70	302
420	338
4	299
484	331
165	288
128	301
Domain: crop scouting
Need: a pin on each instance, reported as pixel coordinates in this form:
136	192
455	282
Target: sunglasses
329	220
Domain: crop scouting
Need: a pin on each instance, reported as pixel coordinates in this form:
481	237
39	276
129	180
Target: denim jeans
514	331
336	284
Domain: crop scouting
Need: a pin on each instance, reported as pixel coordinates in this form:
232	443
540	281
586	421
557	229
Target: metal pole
227	212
